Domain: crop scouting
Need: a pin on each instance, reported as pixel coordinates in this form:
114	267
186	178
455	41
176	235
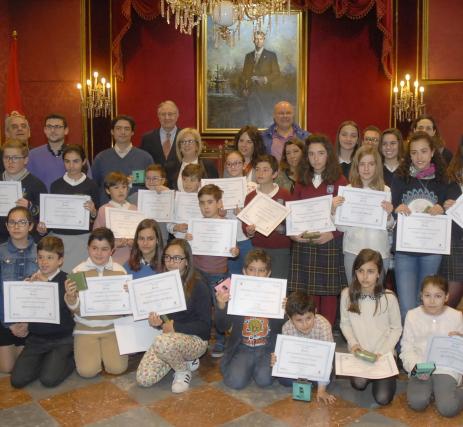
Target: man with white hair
17	127
161	142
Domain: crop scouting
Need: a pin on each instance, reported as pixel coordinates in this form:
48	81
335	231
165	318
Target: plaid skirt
317	269
451	266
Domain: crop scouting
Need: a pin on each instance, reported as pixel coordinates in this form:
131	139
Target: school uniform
48	351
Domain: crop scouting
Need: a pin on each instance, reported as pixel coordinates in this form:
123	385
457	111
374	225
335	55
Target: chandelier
227	15
95	97
407	104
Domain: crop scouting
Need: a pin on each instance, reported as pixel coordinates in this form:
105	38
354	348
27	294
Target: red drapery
13	93
353	9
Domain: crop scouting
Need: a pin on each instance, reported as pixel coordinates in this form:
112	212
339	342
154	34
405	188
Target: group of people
330	274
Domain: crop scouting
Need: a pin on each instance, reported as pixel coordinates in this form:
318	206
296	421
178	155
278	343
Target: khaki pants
92	349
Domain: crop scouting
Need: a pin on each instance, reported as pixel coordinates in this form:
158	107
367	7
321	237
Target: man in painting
260	75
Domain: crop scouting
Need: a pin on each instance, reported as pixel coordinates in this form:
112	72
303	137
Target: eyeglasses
234	164
371	139
177	259
154	178
13	159
20	223
54	127
188	142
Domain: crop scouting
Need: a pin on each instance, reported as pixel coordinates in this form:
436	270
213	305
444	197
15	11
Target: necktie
166	145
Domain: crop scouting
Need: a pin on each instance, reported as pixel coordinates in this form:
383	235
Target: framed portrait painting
238	85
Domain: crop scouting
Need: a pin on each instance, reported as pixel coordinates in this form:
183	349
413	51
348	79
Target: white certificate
160	293
456	211
158	206
424	233
32	302
234	190
446	352
351	366
10	192
105	296
264	213
186	207
214	237
64	211
134	336
362	208
257	296
123	222
309	215
299	357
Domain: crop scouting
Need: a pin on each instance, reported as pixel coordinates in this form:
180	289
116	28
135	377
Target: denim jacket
16	264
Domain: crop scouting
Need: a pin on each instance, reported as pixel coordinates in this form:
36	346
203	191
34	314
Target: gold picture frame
229	97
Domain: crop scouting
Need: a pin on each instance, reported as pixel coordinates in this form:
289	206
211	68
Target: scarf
428	173
18	177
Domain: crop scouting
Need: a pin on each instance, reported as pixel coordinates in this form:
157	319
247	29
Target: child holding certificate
433	317
418	186
74	182
191	181
277	244
15	157
213	268
366	172
48	352
18	260
145	256
185	334
155	180
94	337
252	341
116	185
234	167
306	323
317	265
370	319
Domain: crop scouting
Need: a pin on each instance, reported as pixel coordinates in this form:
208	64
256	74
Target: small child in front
116	185
252	341
48	352
433	317
306	323
94	337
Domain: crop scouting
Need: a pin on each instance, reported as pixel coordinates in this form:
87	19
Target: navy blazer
151	142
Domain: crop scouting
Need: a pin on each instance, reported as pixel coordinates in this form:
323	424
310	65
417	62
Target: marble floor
117	401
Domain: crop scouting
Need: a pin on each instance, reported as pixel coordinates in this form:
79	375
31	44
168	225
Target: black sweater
66	325
196	320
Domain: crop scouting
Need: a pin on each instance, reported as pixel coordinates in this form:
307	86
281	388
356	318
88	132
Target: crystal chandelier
407	104
96	98
227	15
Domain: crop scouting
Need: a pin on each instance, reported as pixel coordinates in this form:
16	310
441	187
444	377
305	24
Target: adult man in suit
161	142
260	77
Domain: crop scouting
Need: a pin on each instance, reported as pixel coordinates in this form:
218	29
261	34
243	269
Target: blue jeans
246	364
235	265
212	280
410	271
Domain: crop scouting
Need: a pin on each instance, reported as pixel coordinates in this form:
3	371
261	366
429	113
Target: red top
275	240
308	192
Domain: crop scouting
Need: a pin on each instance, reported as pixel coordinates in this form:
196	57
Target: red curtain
353	9
13	93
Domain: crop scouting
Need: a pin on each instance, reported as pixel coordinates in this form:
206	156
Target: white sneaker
181	381
193	365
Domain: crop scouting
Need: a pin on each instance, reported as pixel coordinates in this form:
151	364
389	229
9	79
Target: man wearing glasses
371	136
46	161
161	142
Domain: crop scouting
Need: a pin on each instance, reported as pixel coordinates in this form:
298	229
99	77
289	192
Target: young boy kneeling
304	322
252	341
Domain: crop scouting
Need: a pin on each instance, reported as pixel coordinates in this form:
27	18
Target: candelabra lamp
408	102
